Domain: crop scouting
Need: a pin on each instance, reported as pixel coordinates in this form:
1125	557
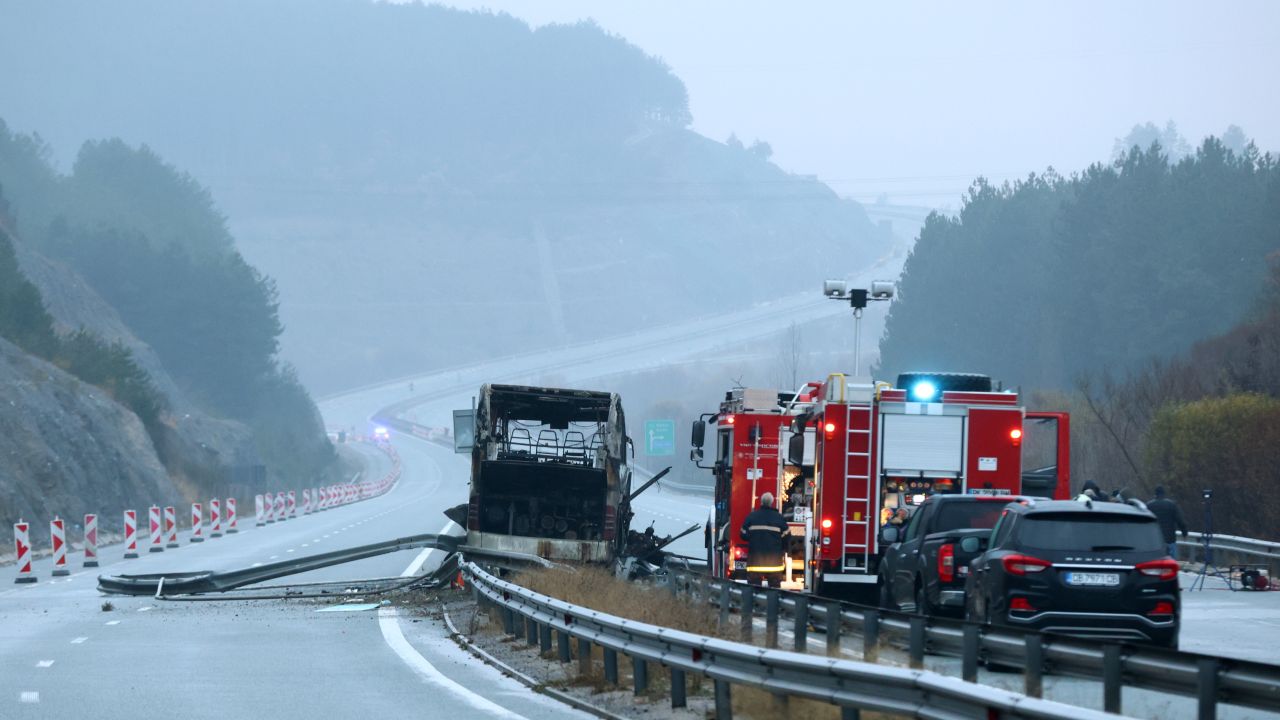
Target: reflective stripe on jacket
765	531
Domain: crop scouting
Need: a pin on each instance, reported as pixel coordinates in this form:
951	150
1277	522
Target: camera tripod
1208	568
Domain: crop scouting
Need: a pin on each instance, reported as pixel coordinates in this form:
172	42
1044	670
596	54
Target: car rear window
1077	531
976	514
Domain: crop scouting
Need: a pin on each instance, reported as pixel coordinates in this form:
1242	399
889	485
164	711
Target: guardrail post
678	688
584	656
848	713
611	666
969	653
562	645
640	674
1207	689
724	605
531	631
870	636
508	622
802	623
1111	679
916	642
724	703
1034	679
704	590
772	607
544	639
834	622
748	610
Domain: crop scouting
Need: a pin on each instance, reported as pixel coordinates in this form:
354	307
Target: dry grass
600	590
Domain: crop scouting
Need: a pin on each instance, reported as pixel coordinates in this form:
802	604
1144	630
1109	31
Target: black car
926	562
1092	569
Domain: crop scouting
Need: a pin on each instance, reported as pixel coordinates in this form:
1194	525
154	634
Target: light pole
858	297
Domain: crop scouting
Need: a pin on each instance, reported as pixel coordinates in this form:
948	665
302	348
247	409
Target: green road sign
659	437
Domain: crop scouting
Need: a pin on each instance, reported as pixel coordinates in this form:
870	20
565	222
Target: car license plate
740	565
1088	578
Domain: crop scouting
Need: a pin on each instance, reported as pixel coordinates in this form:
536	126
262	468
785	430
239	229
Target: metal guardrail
1232	550
848	684
1208	679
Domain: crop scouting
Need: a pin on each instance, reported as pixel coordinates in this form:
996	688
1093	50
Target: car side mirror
972	544
890	535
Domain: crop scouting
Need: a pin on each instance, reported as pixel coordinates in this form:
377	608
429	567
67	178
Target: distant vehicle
381	434
926	561
1090	569
549	475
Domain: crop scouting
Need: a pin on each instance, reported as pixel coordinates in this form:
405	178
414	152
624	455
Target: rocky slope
67	448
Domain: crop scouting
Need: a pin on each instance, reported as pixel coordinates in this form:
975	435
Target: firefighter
1090	491
765	531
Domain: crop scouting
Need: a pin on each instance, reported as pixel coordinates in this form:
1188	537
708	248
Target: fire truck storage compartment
545	500
932	445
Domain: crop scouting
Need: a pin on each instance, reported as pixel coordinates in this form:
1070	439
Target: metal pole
1111	679
802	624
611	666
724	704
584	656
748	610
833	629
771	620
857	340
1034	685
678	688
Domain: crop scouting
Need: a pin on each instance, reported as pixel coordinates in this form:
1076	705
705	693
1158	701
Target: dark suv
1092	569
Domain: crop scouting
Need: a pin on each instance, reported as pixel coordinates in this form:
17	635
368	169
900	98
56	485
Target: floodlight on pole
881	290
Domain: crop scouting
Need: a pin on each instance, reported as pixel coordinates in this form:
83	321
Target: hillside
1100	272
429	186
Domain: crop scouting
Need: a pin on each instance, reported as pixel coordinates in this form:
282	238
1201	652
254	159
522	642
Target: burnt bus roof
552	404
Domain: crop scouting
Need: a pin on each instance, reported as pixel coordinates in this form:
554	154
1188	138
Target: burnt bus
549	475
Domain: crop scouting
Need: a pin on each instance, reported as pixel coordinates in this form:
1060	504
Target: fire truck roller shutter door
923	443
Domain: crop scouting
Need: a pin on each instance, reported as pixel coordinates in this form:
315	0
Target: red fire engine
843	455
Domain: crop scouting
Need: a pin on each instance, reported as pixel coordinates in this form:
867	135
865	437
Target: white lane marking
273	557
306	544
395	639
29	696
79	640
146	608
289	550
113	622
44	664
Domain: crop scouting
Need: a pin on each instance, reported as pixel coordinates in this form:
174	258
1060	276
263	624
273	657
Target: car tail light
1021	605
1165	569
1024	564
739	552
947	563
1162	608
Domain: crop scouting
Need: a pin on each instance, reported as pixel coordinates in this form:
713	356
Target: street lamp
858	298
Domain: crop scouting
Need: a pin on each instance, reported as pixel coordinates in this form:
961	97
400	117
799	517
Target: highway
64	655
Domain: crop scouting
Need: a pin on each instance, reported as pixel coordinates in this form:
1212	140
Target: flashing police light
924	391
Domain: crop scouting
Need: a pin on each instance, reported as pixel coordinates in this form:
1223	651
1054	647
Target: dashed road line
29	696
146	608
113	622
45	663
79	641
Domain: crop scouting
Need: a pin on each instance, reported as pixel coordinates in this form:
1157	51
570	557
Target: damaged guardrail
1208	679
204	582
847	684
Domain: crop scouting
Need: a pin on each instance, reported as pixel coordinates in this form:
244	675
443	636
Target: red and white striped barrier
291	505
231	516
215	518
58	532
130	534
157	530
306	501
171	526
324	498
315	500
278	511
259	518
197	519
90	540
22	539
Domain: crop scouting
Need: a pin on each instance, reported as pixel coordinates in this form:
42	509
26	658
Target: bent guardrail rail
1208	679
200	582
844	683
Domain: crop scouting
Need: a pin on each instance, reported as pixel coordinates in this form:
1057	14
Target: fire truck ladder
859	525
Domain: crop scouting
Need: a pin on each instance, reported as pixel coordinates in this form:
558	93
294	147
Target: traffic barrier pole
306	501
259	519
215	518
269	508
278	512
324	498
197	517
291	505
171	526
22	540
130	534
231	516
157	530
315	500
90	540
58	532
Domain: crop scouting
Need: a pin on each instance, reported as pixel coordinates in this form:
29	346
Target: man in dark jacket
1169	515
765	531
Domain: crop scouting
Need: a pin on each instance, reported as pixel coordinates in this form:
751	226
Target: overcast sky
917	98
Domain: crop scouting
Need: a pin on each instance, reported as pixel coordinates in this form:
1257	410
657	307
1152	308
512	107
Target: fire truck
844	455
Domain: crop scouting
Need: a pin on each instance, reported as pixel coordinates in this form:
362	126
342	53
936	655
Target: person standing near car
765	531
1170	518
